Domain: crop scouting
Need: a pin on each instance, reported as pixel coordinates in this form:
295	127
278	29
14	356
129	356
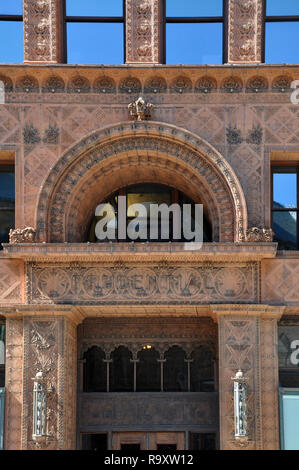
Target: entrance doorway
162	441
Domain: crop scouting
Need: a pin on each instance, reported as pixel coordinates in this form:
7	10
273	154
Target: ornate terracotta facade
211	135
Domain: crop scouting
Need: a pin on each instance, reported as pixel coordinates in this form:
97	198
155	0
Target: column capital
144	27
245	31
43	31
245	310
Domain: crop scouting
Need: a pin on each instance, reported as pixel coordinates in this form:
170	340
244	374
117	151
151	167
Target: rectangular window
285	204
7	201
281	31
289	418
194	32
94	32
11	32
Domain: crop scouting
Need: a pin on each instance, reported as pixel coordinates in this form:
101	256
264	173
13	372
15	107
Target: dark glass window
202	441
121	370
95	32
11	31
148	194
148	371
95	371
194	32
7	202
288	355
96	442
281	31
285	207
202	370
175	370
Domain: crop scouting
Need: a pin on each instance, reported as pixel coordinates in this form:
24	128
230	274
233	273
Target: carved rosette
143	28
42	31
245	31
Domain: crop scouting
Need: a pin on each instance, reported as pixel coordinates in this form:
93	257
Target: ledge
139	252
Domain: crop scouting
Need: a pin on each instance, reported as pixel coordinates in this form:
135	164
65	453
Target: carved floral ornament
26	235
152	84
140	110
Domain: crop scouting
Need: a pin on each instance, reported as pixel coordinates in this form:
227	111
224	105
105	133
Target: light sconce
39	407
240	407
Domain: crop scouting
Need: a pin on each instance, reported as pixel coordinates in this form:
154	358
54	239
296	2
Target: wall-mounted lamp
39	431
240	406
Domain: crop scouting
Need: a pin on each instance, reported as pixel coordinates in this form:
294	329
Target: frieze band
92	284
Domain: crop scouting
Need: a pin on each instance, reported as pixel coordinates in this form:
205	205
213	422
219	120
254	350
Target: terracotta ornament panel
90	284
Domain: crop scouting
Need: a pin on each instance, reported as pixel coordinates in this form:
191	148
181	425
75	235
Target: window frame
274	169
273	19
197	20
92	19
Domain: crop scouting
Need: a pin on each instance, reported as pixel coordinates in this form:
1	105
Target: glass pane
282	42
81	38
290	420
94	8
7	221
287	7
7	186
288	347
11	7
11	42
285	189
202	370
121	371
194	8
175	370
95	371
285	229
194	43
148	371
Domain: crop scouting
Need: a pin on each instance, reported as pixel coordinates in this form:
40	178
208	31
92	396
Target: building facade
138	343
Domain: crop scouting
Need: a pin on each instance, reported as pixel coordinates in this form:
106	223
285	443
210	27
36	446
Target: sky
185	44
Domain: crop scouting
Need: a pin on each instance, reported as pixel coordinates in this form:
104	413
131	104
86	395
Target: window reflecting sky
94	7
11	7
282	41
194	7
282	7
7	186
194	43
11	42
103	43
285	189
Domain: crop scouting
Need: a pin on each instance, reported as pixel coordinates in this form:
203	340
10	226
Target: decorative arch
135	152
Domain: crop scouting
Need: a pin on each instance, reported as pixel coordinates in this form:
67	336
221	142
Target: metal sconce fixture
240	407
39	407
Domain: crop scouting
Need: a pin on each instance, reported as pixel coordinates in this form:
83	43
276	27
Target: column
245	31
248	341
13	384
144	28
43	31
50	346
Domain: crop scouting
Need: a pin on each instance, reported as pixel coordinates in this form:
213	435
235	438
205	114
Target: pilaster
43	31
144	27
248	341
245	31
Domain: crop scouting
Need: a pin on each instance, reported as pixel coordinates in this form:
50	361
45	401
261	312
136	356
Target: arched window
175	370
202	370
95	371
147	194
148	371
121	370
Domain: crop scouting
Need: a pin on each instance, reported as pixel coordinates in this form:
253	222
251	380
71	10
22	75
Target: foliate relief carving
155	85
31	134
27	85
282	83
25	235
140	110
245	31
130	85
8	85
143	31
41	354
104	85
256	234
257	84
181	85
79	85
88	284
232	85
42	34
205	85
53	84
